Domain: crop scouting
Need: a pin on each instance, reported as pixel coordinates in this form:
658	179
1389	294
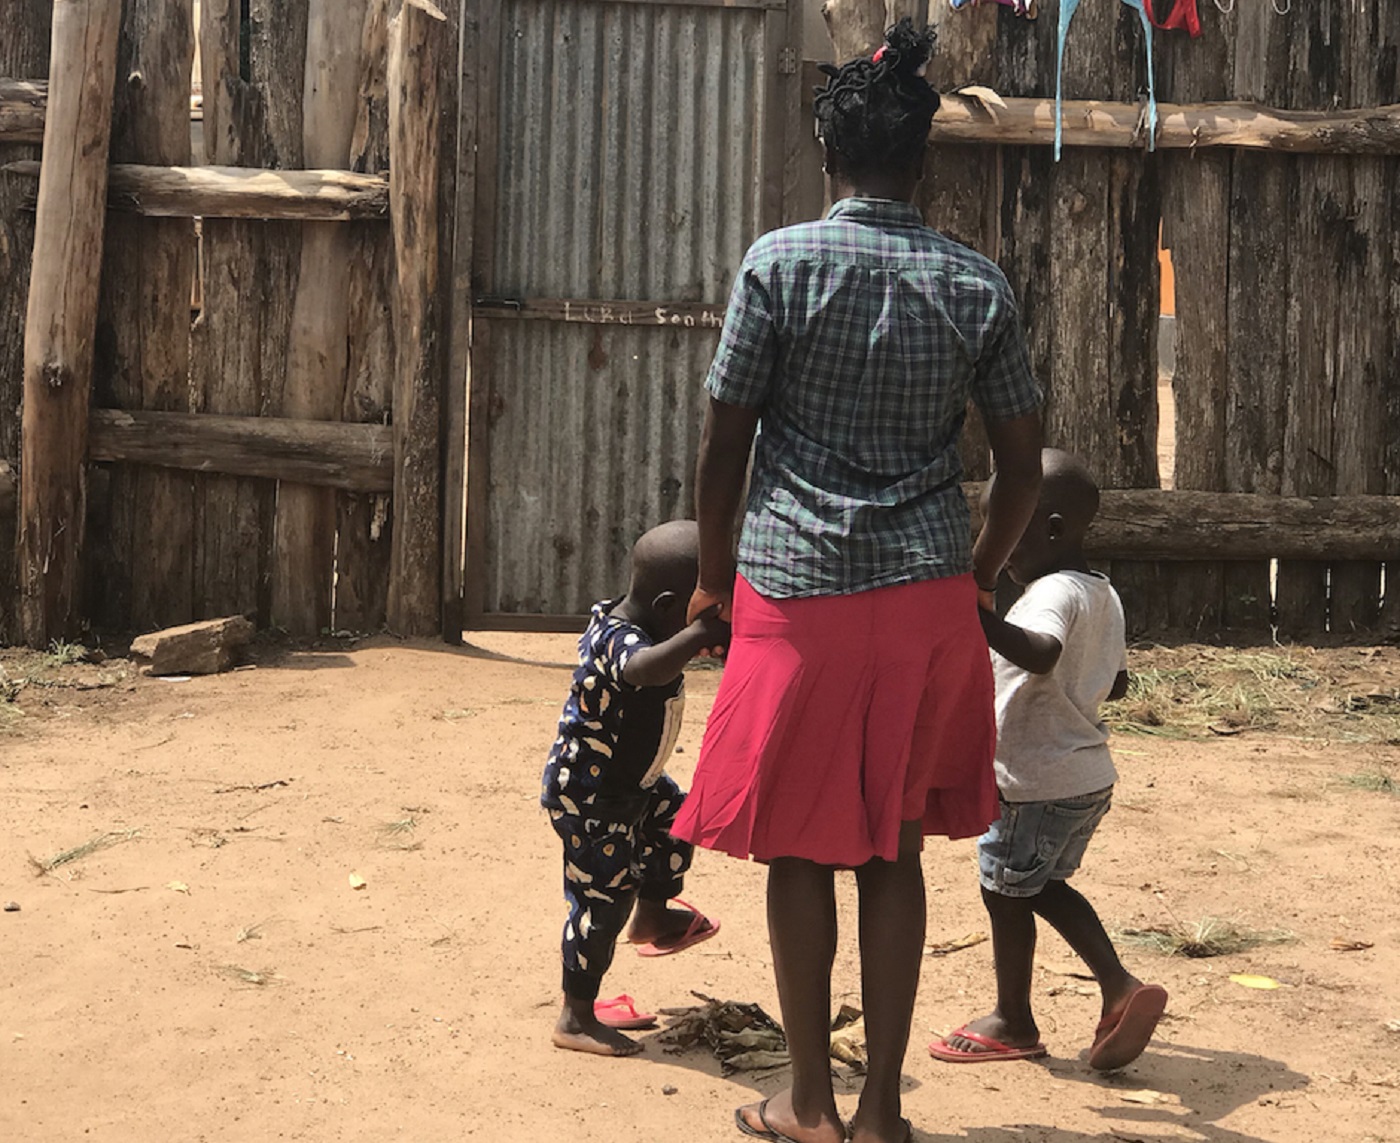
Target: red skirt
839	717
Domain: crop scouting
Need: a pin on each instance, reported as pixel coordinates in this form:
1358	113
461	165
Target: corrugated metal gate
628	151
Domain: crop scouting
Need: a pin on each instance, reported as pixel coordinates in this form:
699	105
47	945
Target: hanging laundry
1067	11
1182	18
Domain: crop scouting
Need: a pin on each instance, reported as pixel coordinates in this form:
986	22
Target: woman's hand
710	604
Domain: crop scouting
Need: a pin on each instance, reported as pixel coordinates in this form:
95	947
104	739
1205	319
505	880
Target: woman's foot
995	1028
903	1133
775	1120
585	1034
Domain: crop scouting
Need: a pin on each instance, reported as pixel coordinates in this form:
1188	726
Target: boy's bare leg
1074	919
578	1030
802	933
1013	949
892	927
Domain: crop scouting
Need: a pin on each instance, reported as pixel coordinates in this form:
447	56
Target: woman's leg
892	925
802	933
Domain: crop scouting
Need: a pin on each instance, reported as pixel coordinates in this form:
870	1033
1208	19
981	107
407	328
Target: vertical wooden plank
62	316
488	138
1261	229
1315	65
460	332
303	546
24	54
142	577
1366	338
961	192
364	522
239	344
1196	228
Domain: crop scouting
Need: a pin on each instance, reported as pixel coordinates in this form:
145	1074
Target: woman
855	715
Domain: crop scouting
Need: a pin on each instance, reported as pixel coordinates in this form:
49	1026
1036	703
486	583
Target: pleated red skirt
839	717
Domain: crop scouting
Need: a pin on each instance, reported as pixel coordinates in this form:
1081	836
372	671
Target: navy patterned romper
608	797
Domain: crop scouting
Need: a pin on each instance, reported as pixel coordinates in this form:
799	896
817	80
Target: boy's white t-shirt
1051	743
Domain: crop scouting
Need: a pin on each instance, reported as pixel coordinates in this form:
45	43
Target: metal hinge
787	61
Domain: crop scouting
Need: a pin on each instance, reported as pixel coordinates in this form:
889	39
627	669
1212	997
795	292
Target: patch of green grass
63	654
1374	781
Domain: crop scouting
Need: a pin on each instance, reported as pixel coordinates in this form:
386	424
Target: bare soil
210	973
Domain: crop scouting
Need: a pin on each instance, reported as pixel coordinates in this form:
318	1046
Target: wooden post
303	563
62	315
857	27
415	110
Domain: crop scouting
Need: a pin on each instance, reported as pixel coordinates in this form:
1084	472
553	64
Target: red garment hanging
1182	18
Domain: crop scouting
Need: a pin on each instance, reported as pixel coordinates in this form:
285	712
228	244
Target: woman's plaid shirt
861	338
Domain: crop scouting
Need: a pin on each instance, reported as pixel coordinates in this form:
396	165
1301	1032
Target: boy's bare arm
1032	651
660	663
1120	687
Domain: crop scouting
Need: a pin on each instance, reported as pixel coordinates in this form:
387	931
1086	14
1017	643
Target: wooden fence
294	451
277	452
1287	378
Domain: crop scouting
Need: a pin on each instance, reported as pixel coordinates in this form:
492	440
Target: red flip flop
991	1049
701	928
621	1012
1122	1036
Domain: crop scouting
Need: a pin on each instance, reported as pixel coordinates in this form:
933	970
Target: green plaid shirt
861	339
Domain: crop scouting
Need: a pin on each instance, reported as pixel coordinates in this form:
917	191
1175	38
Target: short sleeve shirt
1051	742
861	339
614	739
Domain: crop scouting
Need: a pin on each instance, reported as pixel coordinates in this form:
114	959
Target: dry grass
1208	937
78	852
258	979
399	834
1201	691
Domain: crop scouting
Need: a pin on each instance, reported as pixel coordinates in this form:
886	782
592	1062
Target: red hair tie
879	53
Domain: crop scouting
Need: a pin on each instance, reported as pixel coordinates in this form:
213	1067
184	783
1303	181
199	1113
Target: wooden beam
1239	124
1245	126
1151	524
417	40
22	104
62	317
356	457
239	192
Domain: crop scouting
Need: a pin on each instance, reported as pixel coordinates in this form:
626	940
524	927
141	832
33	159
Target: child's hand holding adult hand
711	610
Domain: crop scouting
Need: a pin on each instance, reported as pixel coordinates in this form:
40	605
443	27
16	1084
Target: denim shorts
1034	843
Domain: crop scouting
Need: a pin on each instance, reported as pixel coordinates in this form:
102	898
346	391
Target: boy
606	793
1058	654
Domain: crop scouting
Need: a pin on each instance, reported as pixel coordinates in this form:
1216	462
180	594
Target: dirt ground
211	974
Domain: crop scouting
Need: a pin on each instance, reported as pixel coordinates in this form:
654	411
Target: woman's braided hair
874	114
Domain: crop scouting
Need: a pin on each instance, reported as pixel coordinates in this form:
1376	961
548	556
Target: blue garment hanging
1067	10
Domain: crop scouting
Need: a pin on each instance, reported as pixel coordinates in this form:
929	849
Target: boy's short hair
1068	488
666	558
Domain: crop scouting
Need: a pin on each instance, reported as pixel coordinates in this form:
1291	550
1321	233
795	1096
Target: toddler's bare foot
585	1035
655	922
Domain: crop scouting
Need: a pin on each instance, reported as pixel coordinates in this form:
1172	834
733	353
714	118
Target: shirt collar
879	211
